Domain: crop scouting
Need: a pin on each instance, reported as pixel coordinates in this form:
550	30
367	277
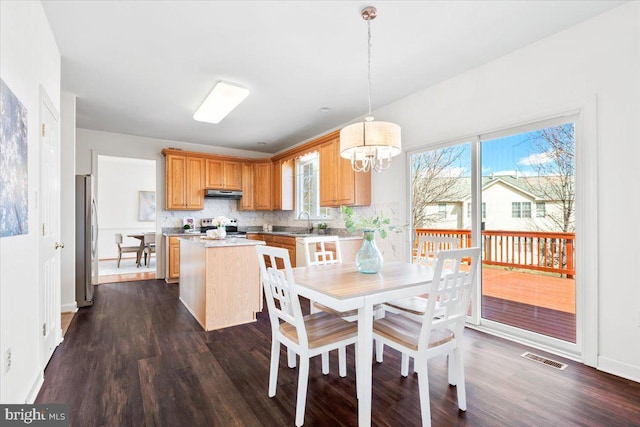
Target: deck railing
552	252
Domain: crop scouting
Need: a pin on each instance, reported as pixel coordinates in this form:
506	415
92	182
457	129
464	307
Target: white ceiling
143	67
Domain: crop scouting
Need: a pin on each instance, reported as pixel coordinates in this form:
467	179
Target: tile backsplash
229	208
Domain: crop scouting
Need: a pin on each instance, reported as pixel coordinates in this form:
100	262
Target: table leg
139	257
364	375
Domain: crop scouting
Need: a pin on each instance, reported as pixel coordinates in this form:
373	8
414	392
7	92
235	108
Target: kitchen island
220	280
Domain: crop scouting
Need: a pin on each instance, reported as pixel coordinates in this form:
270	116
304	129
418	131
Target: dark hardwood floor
138	358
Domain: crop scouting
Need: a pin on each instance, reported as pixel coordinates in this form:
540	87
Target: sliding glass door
528	237
518	205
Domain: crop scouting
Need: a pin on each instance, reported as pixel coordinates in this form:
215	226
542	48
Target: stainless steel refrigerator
86	240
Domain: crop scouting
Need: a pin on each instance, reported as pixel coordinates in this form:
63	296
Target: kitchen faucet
309	226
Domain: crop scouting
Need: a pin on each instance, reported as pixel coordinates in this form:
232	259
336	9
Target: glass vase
369	258
221	232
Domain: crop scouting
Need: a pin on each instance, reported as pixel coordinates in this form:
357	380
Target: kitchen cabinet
223	174
285	242
262	186
184	180
246	202
172	264
339	184
283	183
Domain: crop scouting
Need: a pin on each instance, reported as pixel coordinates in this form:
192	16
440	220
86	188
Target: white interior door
50	244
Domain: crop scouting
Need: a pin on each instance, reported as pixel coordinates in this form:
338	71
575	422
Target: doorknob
59	245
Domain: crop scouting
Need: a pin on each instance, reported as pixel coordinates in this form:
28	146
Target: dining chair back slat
429	246
320	247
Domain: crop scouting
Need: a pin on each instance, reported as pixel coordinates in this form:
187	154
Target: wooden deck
536	302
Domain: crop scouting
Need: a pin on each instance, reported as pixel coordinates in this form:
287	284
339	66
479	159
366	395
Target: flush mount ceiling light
221	101
370	144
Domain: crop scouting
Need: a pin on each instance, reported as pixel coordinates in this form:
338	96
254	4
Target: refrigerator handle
94	226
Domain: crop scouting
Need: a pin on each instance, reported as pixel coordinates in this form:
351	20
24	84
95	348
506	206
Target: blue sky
507	154
504	155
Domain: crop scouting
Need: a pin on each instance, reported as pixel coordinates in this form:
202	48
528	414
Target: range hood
223	194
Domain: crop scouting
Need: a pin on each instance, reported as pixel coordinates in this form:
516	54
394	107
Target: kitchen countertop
182	234
220	243
301	235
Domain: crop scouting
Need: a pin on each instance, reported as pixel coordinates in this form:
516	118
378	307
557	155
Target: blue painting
14	172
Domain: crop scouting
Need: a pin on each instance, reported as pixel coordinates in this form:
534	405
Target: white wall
562	72
120	181
68	201
29	60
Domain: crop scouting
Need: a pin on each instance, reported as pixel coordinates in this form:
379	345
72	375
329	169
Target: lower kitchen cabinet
285	242
172	264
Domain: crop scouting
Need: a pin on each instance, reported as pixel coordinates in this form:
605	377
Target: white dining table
341	287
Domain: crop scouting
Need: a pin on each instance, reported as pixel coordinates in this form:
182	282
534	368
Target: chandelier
370	144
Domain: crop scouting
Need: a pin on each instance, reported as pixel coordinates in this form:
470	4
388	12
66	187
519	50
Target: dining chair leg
291	358
404	365
273	371
451	367
379	351
423	389
325	363
342	361
303	379
119	258
461	389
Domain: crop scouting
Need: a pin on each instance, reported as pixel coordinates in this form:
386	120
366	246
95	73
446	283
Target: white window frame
318	212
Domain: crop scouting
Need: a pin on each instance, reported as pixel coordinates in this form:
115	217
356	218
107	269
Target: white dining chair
452	290
307	336
426	254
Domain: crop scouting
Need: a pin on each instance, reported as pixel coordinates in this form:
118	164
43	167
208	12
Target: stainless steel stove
232	227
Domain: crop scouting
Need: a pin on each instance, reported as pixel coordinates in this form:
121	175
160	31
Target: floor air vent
544	360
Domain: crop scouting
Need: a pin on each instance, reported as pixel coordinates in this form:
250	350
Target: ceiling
143	67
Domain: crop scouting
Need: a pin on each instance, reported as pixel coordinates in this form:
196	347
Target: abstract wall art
14	170
147	204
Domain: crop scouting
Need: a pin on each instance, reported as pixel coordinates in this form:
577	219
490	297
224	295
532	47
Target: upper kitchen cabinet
339	184
283	181
184	182
246	202
223	174
262	186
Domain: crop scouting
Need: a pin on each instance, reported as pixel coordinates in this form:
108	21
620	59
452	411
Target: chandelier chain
369	61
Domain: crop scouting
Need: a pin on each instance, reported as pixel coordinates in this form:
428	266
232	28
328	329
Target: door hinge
43	228
43	129
44	329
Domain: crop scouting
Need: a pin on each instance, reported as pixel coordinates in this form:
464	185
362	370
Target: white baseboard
69	308
620	369
35	388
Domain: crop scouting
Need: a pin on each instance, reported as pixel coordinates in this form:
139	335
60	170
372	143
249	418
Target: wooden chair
149	242
127	249
307	336
426	253
435	336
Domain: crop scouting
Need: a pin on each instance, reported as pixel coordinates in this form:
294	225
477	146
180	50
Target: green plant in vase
369	258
